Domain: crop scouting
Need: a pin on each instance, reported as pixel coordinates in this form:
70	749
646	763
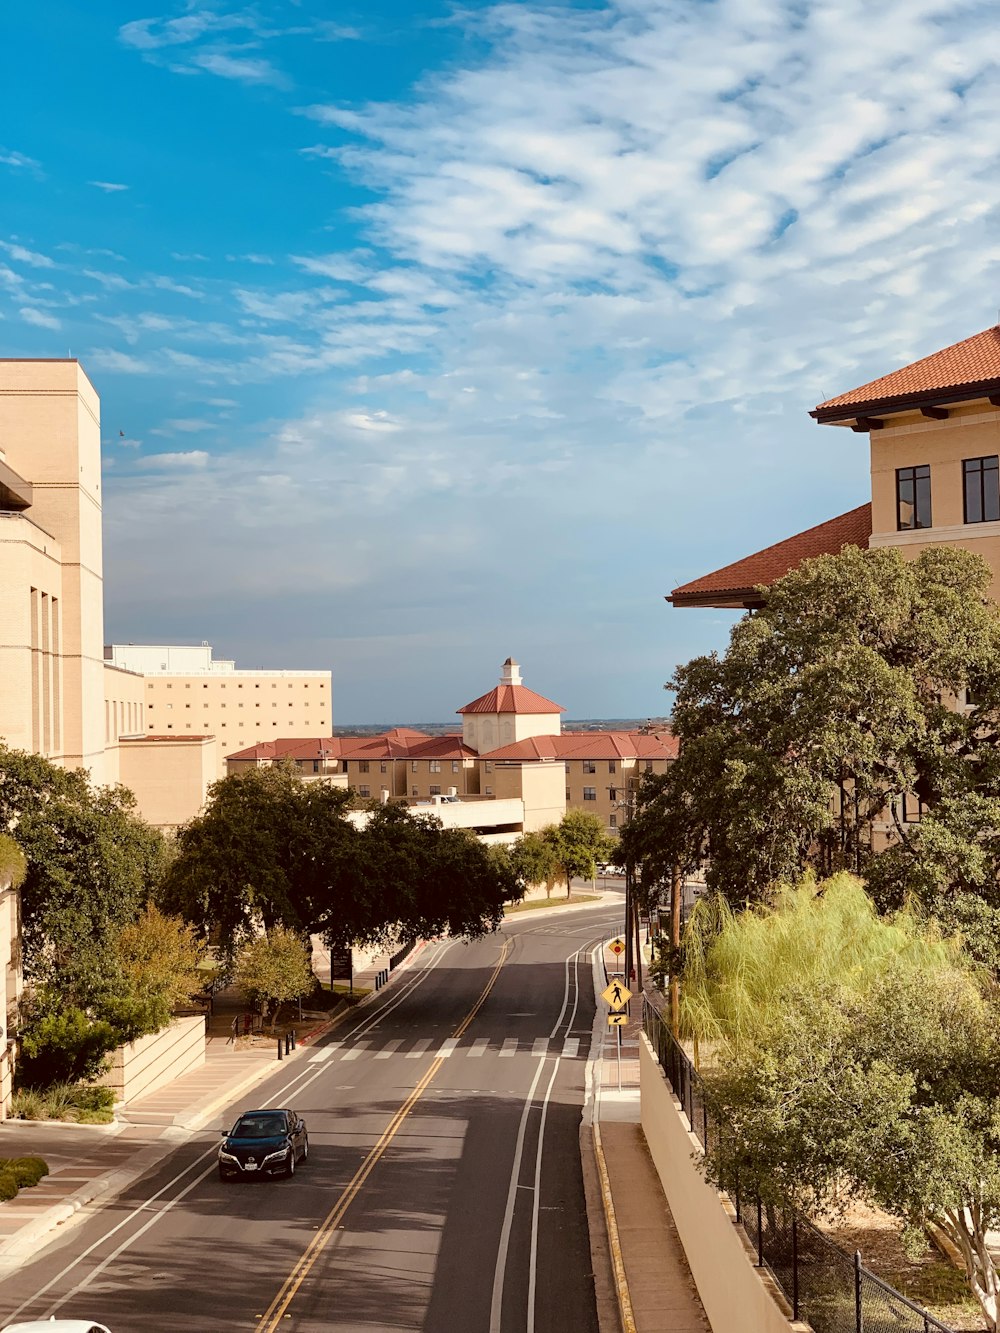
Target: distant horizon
570	724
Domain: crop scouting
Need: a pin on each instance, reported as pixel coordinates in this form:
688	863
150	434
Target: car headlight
227	1157
273	1156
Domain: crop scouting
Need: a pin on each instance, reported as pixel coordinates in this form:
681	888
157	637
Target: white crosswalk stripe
389	1050
359	1049
324	1053
419	1048
539	1046
509	1047
448	1047
571	1048
479	1046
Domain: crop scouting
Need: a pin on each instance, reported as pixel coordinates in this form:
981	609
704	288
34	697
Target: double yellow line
270	1319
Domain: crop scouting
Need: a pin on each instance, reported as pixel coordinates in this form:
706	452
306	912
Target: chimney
511	674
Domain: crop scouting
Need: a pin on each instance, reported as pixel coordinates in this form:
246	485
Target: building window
413	791
980	477
364	791
435	765
489	766
383	767
315	765
912	808
489	791
362	765
590	793
612	766
413	766
454	765
649	765
613	793
435	789
612	821
913	497
589	766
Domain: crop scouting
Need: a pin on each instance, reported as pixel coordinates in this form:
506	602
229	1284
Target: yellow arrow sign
617	1020
617	946
617	994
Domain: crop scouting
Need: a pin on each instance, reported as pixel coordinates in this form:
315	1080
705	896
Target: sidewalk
642	1278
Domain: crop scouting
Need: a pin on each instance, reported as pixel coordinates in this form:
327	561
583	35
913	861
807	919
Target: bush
94	1098
28	1171
8	1185
28	1104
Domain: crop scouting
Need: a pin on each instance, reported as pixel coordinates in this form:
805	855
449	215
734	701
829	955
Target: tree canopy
272	850
853	1054
836	708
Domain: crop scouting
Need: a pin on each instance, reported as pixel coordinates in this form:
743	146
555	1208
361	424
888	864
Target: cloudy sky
428	334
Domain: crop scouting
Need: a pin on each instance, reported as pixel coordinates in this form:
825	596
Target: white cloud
194	458
108	358
40	318
21	255
19	161
109	187
244	69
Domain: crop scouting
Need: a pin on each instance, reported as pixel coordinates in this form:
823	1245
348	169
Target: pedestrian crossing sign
617	994
617	1020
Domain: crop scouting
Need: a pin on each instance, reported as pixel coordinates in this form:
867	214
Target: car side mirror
224	1133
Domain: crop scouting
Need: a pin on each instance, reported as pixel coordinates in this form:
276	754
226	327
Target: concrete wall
147	1064
170	778
541	785
738	1298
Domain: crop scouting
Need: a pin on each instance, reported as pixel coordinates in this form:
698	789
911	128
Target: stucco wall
147	1064
170	778
738	1298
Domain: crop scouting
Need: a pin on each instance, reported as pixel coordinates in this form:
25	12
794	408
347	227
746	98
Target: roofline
723	599
901	402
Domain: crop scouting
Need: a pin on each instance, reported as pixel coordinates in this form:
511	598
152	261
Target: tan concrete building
187	692
51	564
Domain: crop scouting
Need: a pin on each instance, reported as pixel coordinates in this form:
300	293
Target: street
443	1189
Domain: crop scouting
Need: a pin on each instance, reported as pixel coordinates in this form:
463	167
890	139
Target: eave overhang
15	492
873	408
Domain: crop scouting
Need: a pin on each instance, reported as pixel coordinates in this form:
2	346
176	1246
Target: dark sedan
264	1143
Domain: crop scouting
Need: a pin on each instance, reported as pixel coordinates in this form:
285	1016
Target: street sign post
616	994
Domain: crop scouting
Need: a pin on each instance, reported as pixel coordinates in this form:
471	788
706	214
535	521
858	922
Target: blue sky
442	333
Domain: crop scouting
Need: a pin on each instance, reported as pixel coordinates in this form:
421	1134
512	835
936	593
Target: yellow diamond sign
617	994
617	946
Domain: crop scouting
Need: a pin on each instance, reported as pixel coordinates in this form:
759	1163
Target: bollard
293	1039
281	1054
288	1045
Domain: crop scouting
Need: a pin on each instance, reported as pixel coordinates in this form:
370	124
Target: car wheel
291	1163
305	1149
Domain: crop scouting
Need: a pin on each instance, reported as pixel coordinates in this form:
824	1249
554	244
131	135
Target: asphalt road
443	1190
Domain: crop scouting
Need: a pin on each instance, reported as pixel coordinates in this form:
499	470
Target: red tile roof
511	699
292	747
972	364
733	585
400	743
590	745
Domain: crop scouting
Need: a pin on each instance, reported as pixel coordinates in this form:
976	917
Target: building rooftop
589	745
511	699
965	370
735	586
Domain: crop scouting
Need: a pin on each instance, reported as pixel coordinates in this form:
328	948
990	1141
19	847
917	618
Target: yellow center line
271	1317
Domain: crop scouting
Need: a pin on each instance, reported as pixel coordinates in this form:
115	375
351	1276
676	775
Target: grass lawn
574	900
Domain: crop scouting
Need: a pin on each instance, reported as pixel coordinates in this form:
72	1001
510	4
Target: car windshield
259	1127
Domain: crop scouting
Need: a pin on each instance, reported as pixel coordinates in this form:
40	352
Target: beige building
188	693
51	565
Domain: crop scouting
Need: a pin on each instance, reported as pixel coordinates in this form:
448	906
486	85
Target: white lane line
539	1046
571	1048
389	1050
479	1046
509	1047
419	1048
447	1048
536	1204
324	1053
359	1048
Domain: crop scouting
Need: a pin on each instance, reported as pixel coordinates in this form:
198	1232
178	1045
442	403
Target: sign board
617	994
341	968
617	1020
617	946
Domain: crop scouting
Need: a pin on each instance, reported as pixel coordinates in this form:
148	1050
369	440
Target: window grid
913	498
981	489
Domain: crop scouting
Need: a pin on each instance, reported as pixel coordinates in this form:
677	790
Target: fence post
859	1318
795	1266
760	1235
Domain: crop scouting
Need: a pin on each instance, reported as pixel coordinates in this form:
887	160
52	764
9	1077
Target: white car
55	1325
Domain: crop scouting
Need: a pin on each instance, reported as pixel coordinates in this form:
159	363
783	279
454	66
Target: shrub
94	1098
8	1185
28	1104
28	1171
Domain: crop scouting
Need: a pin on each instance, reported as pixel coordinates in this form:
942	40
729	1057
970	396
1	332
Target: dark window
382	768
364	790
613	793
913	497
980	477
590	793
913	808
362	765
589	766
435	789
613	821
612	766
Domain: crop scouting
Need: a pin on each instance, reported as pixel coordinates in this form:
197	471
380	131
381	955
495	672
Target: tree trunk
964	1228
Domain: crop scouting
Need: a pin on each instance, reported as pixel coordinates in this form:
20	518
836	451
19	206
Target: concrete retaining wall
737	1296
147	1064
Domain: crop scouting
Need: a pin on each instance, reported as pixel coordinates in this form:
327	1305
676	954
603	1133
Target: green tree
832	705
577	843
273	968
852	1054
271	849
534	858
159	961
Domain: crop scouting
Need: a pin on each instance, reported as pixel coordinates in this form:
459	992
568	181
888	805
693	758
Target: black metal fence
829	1288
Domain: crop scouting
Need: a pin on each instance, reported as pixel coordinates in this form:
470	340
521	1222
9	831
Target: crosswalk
567	1048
